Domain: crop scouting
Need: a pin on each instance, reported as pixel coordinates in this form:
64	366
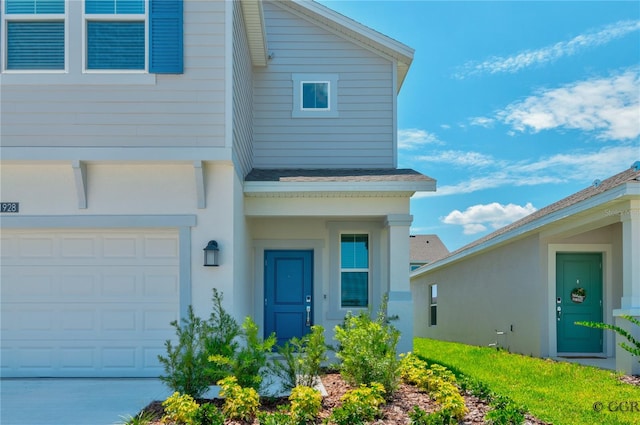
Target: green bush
240	403
186	365
367	349
208	414
302	359
360	405
505	412
419	417
279	417
306	403
180	409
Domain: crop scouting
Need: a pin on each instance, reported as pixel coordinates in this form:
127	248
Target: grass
556	392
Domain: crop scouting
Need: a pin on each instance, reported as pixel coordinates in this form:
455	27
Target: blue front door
288	288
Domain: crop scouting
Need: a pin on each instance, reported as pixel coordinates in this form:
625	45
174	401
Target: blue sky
510	105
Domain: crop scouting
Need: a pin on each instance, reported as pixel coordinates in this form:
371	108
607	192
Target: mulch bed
395	412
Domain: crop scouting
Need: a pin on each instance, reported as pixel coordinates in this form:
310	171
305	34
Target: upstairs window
115	34
35	34
315	96
354	270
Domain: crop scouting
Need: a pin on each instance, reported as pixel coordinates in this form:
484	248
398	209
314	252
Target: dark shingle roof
335	175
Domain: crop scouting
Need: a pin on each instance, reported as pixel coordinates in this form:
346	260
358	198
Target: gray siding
361	136
242	94
178	111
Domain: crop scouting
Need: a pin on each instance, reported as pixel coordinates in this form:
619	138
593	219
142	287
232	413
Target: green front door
578	298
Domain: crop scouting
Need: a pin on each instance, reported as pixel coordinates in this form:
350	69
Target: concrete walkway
52	401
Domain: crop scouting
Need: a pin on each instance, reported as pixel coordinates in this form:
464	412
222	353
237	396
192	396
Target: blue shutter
165	37
35	45
115	45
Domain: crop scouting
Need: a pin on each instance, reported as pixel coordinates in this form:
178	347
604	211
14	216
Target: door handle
558	312
308	316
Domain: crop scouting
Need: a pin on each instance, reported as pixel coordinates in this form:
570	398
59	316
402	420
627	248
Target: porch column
400	302
630	304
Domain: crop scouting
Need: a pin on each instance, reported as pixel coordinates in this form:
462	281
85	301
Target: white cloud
414	138
476	218
482	122
458	158
610	107
528	58
560	168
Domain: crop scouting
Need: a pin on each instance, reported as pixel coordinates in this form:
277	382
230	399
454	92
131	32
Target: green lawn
556	392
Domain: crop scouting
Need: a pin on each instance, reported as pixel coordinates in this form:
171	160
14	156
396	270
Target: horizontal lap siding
242	93
185	110
361	136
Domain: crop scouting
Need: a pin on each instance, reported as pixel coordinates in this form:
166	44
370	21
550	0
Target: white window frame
86	18
298	111
433	305
33	17
355	270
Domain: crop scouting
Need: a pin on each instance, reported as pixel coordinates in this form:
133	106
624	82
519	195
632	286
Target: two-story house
134	132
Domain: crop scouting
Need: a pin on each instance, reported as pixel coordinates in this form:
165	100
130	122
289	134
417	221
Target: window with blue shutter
35	34
165	35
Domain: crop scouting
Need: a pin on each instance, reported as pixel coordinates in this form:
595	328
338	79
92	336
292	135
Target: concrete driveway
52	401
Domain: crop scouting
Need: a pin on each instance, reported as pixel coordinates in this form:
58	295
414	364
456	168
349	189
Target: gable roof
426	248
332	21
622	184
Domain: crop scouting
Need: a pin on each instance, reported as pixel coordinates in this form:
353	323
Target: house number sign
9	207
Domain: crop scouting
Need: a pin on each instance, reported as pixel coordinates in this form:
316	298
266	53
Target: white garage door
87	303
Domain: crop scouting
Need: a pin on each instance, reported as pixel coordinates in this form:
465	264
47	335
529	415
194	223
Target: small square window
315	96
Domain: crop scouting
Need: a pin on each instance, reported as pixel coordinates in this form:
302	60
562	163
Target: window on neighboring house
433	305
354	270
315	96
115	34
35	34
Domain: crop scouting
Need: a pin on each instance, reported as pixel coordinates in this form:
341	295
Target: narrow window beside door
433	305
354	270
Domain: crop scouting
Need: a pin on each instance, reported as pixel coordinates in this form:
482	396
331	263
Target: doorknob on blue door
308	316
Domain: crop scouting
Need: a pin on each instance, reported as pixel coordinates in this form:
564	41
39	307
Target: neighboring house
524	280
425	249
135	132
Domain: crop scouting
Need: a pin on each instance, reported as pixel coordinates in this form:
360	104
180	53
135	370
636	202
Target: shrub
367	349
240	403
208	414
180	409
142	418
248	364
419	417
303	358
360	405
505	412
186	365
279	417
306	403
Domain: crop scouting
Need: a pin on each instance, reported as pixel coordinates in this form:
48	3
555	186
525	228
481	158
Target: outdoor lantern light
211	254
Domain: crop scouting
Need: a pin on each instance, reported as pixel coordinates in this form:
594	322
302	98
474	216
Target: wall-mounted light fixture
211	252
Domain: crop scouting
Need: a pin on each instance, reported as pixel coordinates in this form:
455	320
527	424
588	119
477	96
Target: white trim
265	187
607	291
198	168
115	154
80	175
297	109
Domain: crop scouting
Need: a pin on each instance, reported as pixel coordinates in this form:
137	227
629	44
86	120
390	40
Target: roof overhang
603	201
256	33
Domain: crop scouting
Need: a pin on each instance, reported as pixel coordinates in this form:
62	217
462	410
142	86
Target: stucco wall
503	290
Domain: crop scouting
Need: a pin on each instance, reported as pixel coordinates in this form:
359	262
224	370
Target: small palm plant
632	347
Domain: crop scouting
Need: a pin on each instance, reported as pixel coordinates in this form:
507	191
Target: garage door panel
88	303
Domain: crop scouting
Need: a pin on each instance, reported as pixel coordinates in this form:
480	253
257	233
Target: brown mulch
395	412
